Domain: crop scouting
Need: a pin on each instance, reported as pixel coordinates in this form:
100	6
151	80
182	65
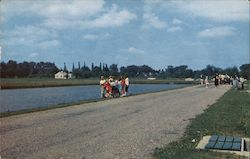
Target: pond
20	99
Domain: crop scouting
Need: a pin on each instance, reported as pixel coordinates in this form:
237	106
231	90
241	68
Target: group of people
114	87
219	79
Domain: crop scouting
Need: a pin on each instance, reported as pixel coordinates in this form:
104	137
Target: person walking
126	85
216	80
206	81
201	79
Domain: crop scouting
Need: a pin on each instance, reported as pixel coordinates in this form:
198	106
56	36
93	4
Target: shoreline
44	83
63	105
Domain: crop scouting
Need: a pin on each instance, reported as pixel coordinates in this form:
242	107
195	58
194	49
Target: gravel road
122	128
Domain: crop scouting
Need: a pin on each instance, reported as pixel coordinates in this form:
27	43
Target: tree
79	65
113	69
92	66
245	71
100	66
11	69
27	69
96	72
73	67
211	70
231	71
105	70
65	68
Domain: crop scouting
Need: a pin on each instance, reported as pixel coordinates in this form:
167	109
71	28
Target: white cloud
222	31
133	50
58	14
27	35
49	44
223	10
53	9
176	21
28	30
174	29
93	37
90	37
112	18
31	36
151	20
33	55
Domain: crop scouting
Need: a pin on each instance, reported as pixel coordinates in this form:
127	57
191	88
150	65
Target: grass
229	116
14	83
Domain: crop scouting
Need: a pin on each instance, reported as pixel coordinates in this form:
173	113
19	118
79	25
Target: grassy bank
13	83
229	116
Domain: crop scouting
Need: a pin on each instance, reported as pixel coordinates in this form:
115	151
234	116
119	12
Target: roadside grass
229	116
13	83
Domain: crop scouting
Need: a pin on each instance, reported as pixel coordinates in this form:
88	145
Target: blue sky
157	33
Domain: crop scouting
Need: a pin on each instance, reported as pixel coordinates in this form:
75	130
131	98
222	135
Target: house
61	75
189	79
151	78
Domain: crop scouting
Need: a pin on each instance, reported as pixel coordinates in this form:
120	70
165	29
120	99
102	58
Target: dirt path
127	128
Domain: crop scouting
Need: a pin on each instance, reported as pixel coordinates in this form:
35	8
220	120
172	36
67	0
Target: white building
70	75
189	79
61	75
151	78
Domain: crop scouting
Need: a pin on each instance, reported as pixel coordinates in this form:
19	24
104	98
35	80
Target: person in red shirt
123	84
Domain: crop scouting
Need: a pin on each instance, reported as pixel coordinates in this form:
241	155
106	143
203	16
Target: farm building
63	75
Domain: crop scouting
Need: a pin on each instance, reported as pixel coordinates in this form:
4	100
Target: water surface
20	99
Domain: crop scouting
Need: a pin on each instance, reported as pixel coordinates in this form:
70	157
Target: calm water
19	99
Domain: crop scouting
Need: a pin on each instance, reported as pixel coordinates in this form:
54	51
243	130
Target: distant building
189	79
151	78
63	75
70	75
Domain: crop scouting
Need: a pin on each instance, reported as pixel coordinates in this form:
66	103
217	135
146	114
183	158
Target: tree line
13	69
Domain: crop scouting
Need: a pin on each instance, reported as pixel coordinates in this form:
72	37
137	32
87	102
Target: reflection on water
18	99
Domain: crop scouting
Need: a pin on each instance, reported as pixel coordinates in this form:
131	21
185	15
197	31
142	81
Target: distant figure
206	81
126	85
123	86
236	82
102	83
231	80
201	80
216	80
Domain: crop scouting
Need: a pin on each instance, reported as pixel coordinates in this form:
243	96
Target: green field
12	83
229	116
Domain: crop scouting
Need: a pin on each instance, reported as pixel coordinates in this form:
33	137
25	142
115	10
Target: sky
157	33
